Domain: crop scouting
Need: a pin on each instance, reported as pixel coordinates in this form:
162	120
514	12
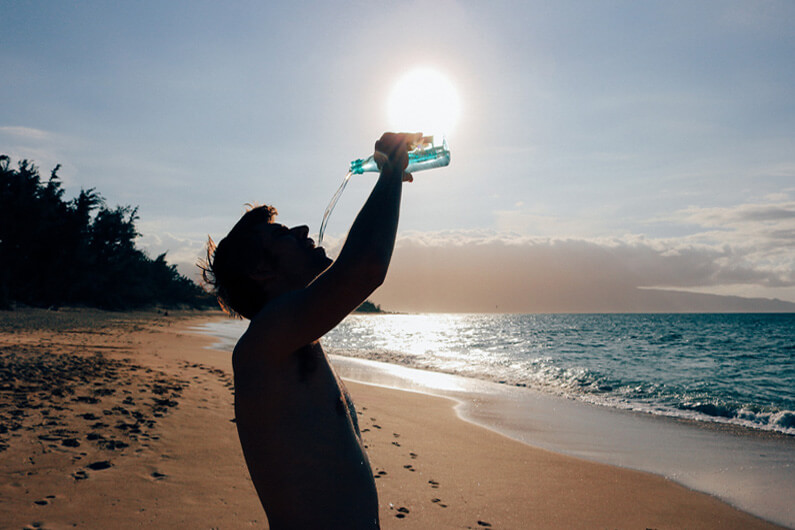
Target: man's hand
391	152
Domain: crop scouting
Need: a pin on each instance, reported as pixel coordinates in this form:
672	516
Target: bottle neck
363	165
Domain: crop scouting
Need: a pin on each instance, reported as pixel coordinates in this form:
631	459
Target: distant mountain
664	301
433	299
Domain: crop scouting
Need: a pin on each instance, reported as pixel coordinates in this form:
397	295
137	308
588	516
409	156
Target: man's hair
228	264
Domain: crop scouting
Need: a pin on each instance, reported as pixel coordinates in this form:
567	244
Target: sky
602	149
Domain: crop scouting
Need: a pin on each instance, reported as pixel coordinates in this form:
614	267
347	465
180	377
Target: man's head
259	260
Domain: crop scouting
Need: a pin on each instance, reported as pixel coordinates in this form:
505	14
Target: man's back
301	440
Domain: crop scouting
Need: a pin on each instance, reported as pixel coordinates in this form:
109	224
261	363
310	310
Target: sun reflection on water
445	342
417	335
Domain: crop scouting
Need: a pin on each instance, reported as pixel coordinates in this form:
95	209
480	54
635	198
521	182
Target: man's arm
302	316
368	247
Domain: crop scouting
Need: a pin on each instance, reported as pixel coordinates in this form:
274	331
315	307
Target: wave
589	386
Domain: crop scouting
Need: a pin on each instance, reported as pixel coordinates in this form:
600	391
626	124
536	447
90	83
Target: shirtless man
296	422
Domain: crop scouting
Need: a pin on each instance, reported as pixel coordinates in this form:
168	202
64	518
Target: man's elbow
374	275
367	273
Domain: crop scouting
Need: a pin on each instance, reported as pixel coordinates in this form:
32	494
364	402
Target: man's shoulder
250	352
252	362
255	350
257	341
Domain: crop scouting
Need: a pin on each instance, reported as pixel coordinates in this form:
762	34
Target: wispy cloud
26	133
760	235
45	149
739	217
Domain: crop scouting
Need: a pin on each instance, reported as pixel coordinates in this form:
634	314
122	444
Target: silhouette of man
296	422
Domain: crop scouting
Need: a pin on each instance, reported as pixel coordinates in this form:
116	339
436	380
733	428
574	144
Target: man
296	422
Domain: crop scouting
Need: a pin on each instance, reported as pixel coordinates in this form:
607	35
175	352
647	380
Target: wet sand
126	421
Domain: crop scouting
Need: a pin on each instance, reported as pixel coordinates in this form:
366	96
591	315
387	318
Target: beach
126	420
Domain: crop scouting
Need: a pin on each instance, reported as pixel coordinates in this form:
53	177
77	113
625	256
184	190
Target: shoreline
748	469
185	469
504	483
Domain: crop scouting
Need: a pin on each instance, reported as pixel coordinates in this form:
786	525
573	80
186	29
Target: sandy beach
126	421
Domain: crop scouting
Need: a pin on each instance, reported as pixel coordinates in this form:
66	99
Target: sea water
726	368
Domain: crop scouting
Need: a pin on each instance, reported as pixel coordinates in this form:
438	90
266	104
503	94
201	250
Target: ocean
718	368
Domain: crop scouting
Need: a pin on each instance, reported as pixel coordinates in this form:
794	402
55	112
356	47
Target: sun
423	100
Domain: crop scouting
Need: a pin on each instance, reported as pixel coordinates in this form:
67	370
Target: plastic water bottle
424	156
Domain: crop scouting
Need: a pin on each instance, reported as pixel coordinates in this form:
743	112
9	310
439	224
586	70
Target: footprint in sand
112	445
100	465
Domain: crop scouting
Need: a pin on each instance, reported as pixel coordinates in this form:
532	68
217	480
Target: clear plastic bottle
424	156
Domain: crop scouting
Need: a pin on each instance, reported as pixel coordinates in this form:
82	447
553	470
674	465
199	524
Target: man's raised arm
304	315
368	248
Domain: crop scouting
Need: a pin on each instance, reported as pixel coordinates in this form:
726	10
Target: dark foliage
369	307
77	252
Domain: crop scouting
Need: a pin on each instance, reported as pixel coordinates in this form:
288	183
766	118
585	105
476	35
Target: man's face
297	260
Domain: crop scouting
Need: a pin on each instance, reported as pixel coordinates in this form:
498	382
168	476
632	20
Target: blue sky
660	135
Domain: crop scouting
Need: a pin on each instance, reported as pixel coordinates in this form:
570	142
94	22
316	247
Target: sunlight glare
423	100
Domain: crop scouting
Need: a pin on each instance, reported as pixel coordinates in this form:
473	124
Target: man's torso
299	434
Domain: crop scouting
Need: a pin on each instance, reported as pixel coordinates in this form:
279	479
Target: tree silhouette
78	252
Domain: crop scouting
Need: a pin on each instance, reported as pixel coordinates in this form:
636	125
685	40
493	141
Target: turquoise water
728	368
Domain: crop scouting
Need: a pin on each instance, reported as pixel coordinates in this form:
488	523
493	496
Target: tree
79	252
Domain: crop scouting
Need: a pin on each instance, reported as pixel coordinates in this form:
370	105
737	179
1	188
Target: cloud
760	235
44	148
184	252
25	133
745	250
745	247
738	217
